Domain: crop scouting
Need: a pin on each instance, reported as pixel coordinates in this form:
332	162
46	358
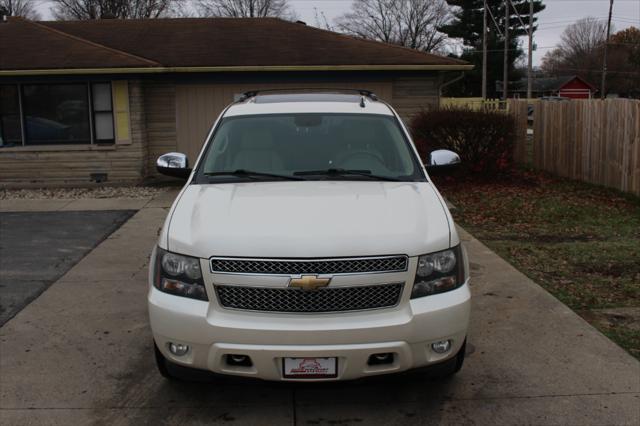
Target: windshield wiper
345	172
251	174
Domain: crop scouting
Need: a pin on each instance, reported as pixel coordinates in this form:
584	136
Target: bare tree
578	51
101	9
245	8
23	8
583	37
409	23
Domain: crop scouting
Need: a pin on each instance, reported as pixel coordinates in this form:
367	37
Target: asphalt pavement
37	248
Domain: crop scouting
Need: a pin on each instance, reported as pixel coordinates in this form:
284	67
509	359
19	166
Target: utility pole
505	72
484	52
604	58
530	65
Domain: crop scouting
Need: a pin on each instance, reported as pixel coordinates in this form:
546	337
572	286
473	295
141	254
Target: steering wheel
352	155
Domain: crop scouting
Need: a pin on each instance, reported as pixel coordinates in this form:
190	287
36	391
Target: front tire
452	366
162	363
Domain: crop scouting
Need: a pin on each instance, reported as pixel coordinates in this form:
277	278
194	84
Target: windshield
310	147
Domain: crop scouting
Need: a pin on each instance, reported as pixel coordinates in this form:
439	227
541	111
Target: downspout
447	83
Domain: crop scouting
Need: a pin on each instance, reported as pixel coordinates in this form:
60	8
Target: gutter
259	68
453	80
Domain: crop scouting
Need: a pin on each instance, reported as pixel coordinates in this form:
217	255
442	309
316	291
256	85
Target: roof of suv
309	101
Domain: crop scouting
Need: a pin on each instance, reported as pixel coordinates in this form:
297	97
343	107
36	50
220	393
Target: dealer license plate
309	368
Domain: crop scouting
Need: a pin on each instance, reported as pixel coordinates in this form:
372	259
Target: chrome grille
328	299
320	266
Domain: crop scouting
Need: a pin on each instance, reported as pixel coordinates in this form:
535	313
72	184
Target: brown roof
196	42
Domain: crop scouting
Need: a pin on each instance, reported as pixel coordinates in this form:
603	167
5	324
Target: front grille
328	299
320	266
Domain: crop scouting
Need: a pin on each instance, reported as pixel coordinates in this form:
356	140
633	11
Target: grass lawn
580	242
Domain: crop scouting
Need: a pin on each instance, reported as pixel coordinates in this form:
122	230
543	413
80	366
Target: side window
102	112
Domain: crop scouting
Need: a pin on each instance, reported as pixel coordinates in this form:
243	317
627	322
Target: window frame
91	112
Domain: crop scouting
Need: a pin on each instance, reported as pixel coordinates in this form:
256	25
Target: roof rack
363	92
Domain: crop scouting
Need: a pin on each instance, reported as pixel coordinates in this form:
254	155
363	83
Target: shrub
484	140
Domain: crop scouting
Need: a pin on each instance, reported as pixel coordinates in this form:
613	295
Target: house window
102	112
56	114
10	129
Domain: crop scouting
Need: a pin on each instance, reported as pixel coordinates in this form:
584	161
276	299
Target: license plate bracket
310	368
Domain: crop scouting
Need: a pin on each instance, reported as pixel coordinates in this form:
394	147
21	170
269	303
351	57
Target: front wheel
162	363
452	366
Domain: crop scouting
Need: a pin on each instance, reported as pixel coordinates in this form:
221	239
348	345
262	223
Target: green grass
579	241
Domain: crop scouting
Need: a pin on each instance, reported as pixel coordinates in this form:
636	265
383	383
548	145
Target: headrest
256	138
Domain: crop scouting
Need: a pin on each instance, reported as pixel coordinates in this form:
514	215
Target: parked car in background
308	244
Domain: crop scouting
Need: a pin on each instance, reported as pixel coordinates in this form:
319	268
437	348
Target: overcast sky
552	21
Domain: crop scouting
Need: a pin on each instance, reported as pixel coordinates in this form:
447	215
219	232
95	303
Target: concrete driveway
82	354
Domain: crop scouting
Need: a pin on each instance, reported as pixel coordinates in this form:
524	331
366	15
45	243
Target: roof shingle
193	42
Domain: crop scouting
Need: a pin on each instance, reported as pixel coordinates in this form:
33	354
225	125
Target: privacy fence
595	141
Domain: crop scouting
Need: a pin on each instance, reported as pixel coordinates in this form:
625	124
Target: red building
572	87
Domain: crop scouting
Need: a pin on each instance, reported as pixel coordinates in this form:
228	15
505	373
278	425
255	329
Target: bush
484	140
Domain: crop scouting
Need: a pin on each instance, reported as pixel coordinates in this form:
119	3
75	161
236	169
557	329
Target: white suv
308	244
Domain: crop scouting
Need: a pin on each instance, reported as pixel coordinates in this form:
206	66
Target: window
102	112
297	143
10	129
56	114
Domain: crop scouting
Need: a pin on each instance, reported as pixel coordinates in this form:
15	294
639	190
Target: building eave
268	68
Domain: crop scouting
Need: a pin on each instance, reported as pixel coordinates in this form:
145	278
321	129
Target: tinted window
289	143
56	113
10	131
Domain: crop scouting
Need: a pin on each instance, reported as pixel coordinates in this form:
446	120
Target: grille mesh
297	300
296	267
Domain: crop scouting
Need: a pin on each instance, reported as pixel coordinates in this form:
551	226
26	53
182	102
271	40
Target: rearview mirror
442	160
174	164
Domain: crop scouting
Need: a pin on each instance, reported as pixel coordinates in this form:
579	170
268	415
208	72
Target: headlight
179	275
438	272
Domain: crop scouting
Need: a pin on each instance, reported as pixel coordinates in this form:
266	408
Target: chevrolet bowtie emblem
309	282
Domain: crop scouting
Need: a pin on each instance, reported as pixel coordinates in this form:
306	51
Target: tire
162	363
452	366
175	372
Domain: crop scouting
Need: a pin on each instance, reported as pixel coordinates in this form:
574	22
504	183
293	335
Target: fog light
178	349
441	346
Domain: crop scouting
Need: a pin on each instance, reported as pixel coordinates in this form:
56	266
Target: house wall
180	113
63	165
575	89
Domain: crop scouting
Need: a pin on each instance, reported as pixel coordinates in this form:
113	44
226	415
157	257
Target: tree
123	9
409	23
23	8
467	26
245	8
580	53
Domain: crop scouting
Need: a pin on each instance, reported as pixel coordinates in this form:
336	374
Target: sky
551	22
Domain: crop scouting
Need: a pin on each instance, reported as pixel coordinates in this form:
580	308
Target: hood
308	219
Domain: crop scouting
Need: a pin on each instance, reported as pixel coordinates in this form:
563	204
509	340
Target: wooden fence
474	104
518	110
596	141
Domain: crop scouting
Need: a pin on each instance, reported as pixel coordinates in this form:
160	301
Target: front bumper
406	330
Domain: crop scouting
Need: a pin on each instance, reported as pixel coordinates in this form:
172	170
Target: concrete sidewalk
82	354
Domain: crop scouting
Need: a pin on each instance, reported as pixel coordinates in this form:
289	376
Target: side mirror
174	164
442	160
